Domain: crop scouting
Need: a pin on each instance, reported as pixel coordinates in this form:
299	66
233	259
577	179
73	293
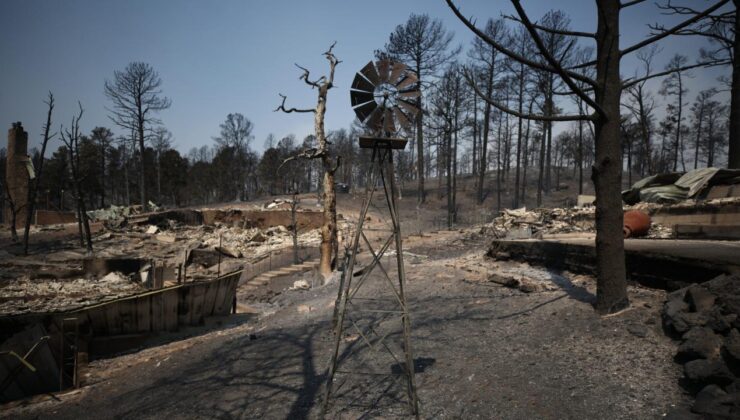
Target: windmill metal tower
367	341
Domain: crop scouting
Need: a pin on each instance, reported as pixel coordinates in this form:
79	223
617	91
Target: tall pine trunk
486	131
607	172
733	154
142	175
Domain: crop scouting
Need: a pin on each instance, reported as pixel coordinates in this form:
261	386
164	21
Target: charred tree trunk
526	158
474	169
498	164
13	212
677	143
699	122
142	174
448	151
607	171
420	142
733	153
484	144
33	184
541	175
329	246
519	136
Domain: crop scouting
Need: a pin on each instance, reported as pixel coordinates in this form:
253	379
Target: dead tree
422	43
329	243
486	58
720	28
136	96
13	212
71	139
33	184
641	105
294	226
602	96
673	85
103	137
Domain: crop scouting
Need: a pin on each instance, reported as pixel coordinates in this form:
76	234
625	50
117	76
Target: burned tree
329	244
18	176
136	96
103	138
71	139
12	210
33	185
485	60
161	142
720	28
641	105
423	44
673	85
602	95
234	139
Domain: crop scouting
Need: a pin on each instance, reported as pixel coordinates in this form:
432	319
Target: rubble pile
252	241
652	208
522	223
113	213
534	223
45	295
279	204
705	317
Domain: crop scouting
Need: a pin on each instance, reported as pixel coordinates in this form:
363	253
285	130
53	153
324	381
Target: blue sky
224	56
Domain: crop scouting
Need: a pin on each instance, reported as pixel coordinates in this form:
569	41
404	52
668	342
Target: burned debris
551	211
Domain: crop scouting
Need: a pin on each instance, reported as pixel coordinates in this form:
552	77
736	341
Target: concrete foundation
658	263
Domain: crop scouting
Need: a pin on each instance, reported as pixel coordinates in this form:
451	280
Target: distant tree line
458	133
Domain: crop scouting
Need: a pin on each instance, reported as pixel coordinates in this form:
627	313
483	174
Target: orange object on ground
636	223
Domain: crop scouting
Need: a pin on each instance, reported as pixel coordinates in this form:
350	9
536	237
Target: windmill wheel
383	96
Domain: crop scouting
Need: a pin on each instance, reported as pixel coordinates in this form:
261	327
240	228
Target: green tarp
674	187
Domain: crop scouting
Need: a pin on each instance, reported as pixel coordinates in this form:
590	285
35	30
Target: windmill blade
409	94
370	73
373	122
364	110
396	71
384	66
410	109
359	97
360	83
402	119
408	81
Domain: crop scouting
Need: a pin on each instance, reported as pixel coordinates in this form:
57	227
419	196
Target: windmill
384	96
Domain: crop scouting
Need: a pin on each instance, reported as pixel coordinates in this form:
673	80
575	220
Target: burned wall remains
17	173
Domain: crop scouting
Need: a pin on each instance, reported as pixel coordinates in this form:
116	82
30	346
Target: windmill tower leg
381	165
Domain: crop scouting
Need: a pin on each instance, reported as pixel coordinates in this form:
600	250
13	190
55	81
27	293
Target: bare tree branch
511	54
674	29
553	30
630	3
308	154
289	110
500	107
631	82
305	75
552	61
333	61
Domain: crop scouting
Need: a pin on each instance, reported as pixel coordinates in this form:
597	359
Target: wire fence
418	225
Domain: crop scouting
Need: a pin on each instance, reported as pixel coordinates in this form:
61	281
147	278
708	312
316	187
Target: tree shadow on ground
578	293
